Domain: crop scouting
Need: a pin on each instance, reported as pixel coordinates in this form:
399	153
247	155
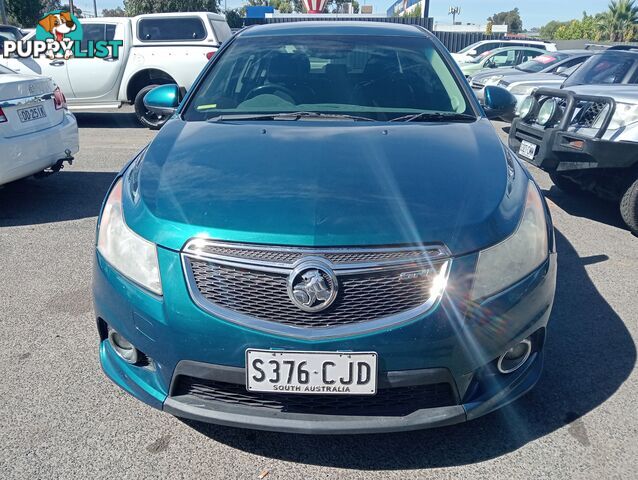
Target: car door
95	80
504	58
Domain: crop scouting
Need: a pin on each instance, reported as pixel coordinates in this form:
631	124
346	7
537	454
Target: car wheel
566	184
144	115
629	207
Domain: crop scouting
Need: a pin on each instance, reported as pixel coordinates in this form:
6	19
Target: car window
526	55
97	32
541	62
377	77
611	67
171	29
221	29
470	47
486	47
506	58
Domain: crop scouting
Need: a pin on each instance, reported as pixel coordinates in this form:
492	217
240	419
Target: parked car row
584	132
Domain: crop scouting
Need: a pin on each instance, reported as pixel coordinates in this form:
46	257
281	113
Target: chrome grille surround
378	287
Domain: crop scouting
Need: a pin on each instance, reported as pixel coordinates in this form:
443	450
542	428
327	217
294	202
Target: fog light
123	347
515	357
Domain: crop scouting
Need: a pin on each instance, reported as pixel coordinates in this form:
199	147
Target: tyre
144	115
629	207
565	184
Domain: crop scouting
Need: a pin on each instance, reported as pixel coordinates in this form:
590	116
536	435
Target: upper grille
398	401
249	284
263	295
288	256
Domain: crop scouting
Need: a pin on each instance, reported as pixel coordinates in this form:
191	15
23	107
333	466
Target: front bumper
555	150
455	344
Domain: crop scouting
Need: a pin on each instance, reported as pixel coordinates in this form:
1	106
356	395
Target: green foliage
138	7
234	18
416	13
24	13
488	28
618	24
512	19
114	12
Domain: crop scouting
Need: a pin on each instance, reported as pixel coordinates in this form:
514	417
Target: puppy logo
59	28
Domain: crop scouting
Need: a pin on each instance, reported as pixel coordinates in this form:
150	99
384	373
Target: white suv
470	52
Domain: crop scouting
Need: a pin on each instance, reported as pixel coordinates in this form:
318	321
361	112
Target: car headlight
131	255
625	114
518	255
522	89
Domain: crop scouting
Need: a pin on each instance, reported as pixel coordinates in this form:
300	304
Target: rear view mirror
499	103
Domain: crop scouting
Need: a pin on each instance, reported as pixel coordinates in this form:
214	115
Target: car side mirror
498	103
561	69
163	100
471	53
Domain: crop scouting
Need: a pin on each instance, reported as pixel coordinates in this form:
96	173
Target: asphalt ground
61	418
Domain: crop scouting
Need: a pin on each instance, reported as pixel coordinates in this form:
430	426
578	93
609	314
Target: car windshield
371	77
611	67
541	62
469	47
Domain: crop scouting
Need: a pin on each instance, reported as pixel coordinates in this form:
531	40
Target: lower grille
397	401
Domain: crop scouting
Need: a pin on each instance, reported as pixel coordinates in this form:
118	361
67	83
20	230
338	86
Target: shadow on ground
107	119
64	196
583	369
587	205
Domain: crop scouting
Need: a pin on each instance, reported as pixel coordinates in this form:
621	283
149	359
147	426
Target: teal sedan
506	57
327	236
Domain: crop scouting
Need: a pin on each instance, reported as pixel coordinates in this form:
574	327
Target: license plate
527	150
332	373
31	113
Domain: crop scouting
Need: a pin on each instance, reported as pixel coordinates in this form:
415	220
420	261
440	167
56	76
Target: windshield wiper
288	116
436	117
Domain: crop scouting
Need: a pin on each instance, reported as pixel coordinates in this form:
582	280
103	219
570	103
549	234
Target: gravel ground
61	417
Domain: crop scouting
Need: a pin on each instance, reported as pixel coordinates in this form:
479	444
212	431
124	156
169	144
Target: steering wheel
265	89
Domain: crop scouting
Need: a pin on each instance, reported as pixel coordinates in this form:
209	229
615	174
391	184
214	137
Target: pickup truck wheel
144	115
629	207
566	184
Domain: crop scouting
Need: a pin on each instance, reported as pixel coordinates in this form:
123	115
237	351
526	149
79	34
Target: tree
113	12
234	18
25	13
621	20
137	7
512	19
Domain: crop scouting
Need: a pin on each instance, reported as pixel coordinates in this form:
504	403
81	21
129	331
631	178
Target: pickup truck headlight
625	114
131	255
518	255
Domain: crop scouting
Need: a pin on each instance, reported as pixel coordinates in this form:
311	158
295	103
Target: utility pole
454	11
71	7
95	7
3	12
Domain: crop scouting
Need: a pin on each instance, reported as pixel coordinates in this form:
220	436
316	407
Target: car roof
519	47
335	28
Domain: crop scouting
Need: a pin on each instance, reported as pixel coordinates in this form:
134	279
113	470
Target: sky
535	13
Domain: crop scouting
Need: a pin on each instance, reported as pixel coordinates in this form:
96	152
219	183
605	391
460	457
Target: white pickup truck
157	49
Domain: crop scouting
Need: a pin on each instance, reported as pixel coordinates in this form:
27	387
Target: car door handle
57	63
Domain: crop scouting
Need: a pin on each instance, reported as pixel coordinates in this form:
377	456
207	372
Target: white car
469	53
37	132
157	49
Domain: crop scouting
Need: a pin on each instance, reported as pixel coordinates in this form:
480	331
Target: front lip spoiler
258	419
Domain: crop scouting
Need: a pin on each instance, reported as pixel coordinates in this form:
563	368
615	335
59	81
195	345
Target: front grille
398	401
263	295
589	113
